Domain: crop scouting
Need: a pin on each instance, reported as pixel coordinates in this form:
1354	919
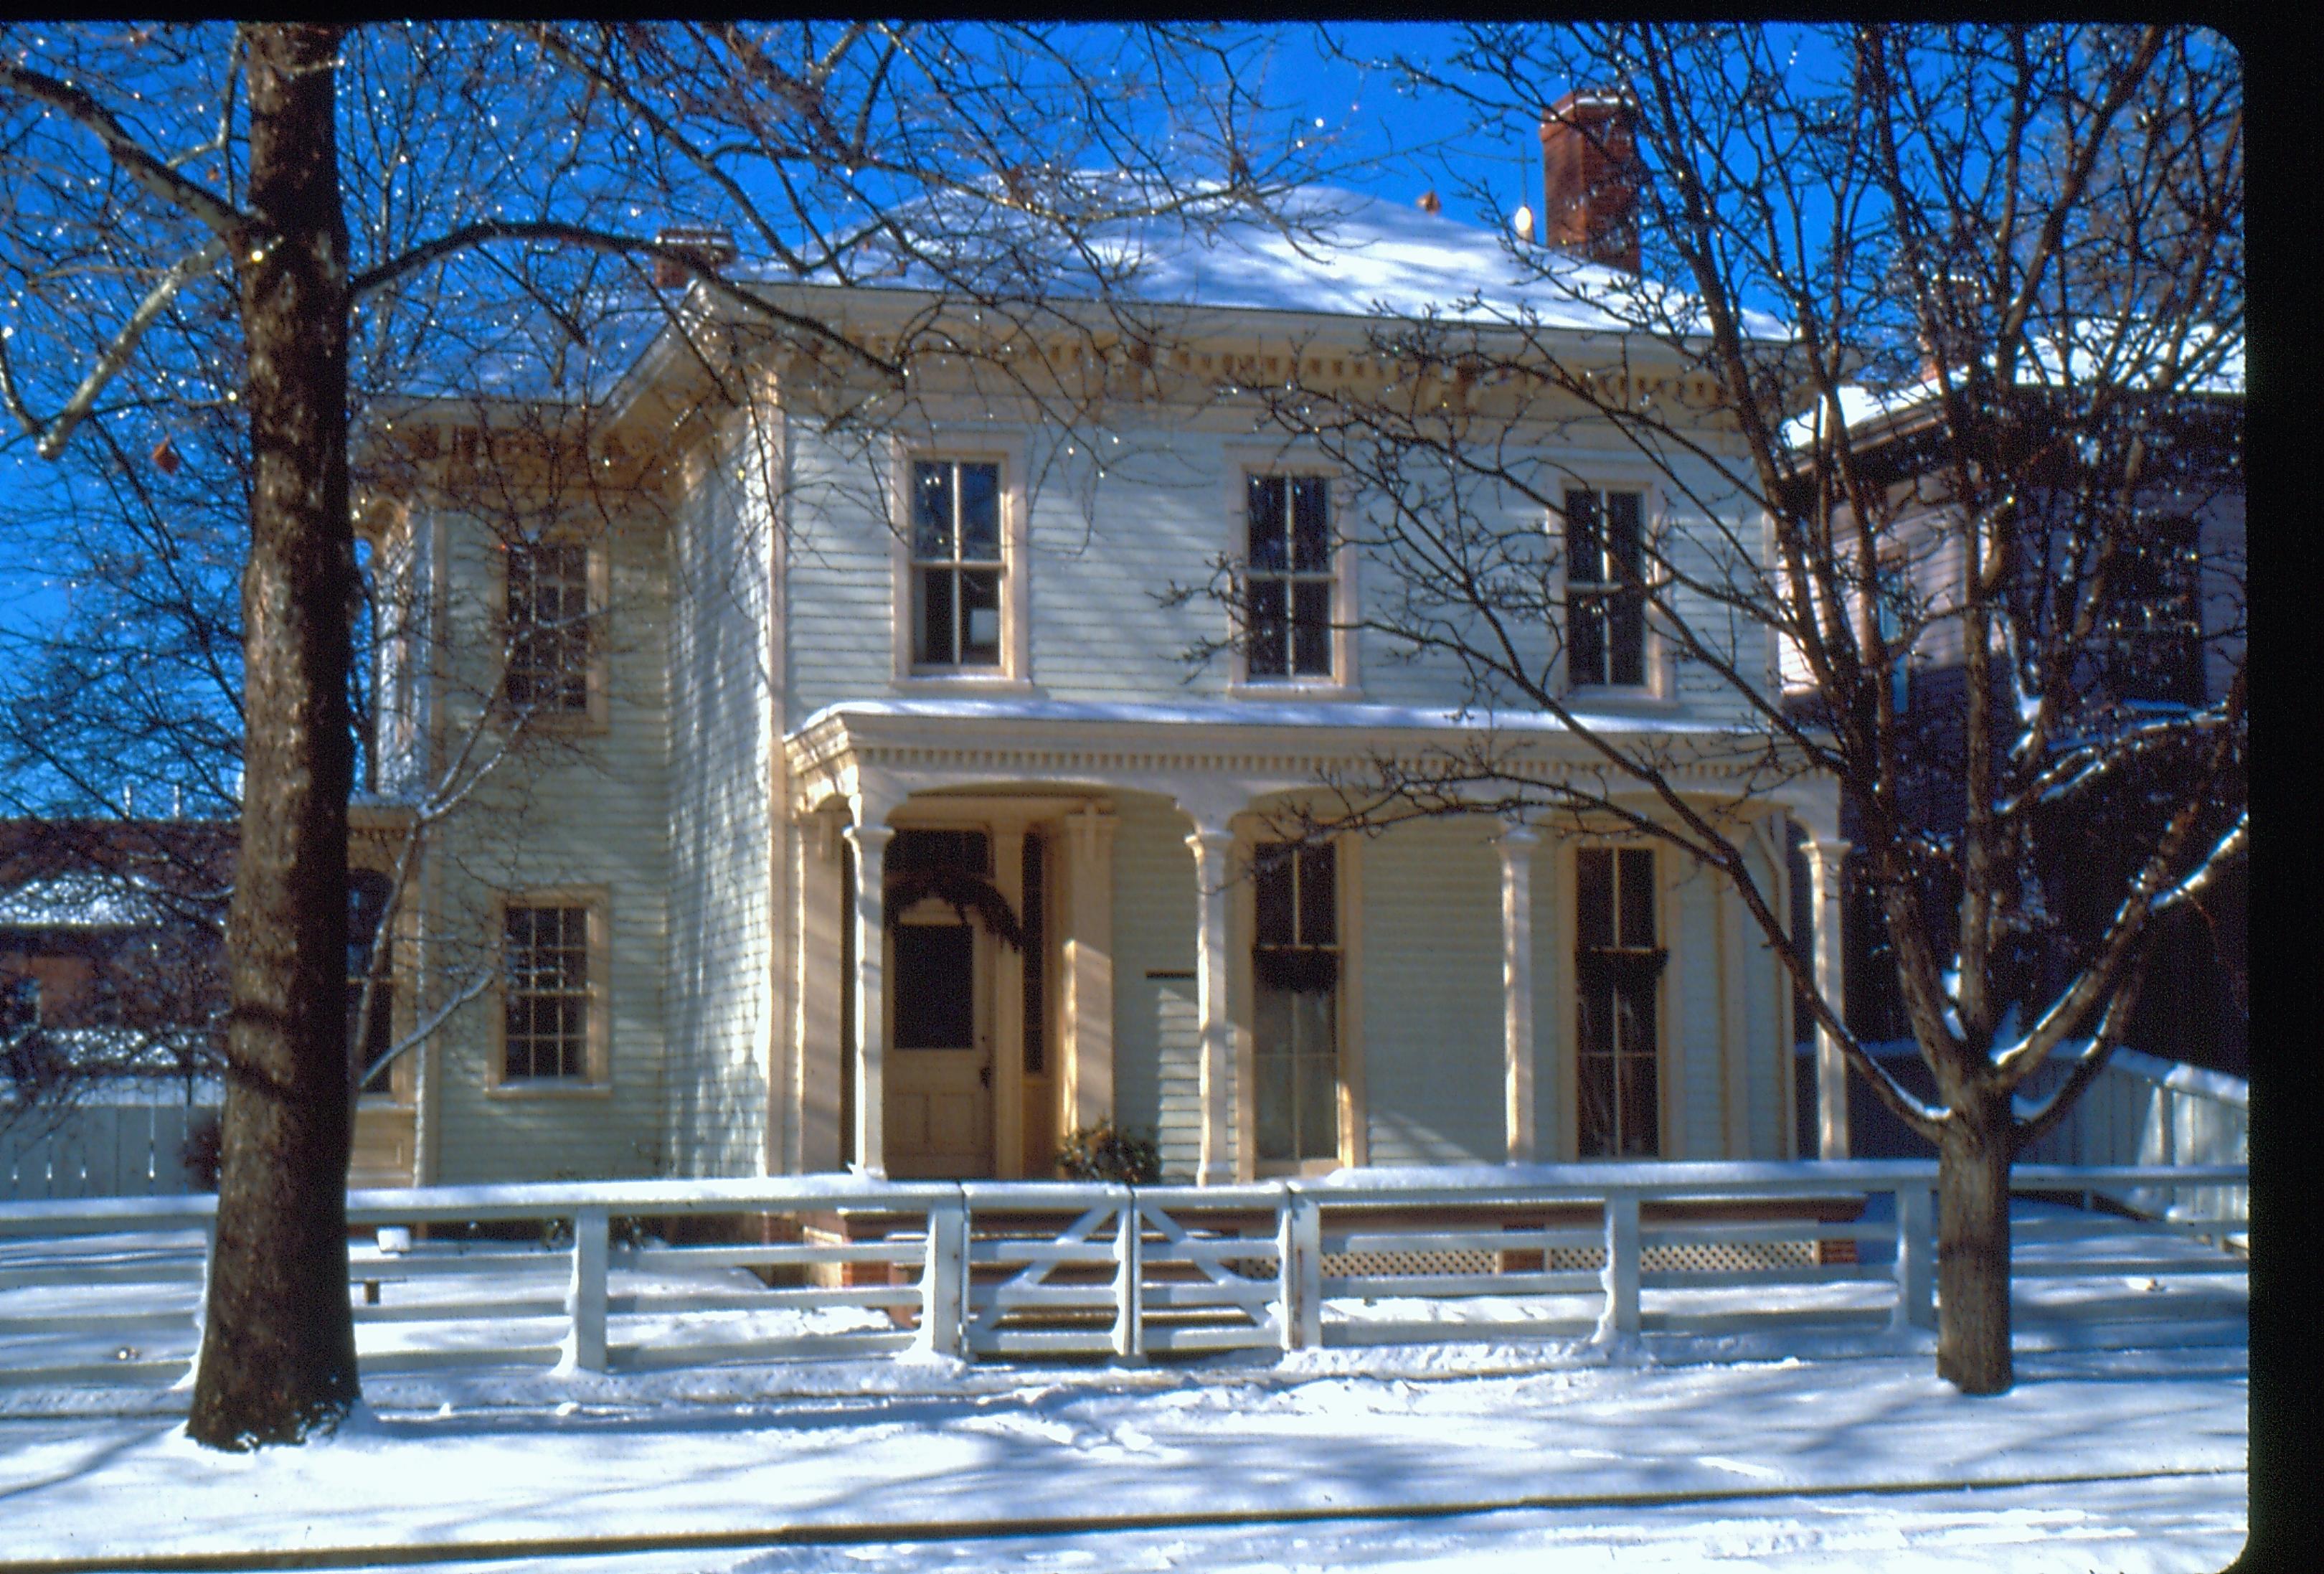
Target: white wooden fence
108	1290
2144	1111
99	1150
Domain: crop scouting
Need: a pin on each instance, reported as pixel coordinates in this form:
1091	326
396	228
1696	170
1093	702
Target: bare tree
244	241
1945	353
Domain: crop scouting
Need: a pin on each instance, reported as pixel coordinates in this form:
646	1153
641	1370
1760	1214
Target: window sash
545	1004
1618	966
548	610
1289	579
1295	972
1605	589
957	568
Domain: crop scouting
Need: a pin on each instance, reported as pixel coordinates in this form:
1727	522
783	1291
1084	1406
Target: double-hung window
546	1002
1617	964
1296	1027
958	570
1288	583
1605	589
547	611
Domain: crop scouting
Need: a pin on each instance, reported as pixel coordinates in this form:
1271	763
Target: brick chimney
1590	179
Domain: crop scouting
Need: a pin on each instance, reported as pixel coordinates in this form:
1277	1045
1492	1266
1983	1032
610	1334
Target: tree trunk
1973	1243
278	1349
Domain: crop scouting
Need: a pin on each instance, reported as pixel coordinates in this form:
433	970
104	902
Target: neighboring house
112	1001
2169	641
888	825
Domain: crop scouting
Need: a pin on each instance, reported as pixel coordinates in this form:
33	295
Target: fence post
1299	1266
1619	1320
585	1302
1130	1269
1915	1307
943	1278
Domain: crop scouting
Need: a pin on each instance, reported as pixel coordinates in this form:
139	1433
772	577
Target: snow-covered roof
1244	713
1319	249
2209	360
78	899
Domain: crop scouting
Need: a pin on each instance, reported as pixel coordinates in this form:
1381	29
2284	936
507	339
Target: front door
939	1074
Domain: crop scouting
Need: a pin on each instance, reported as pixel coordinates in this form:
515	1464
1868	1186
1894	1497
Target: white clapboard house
874	813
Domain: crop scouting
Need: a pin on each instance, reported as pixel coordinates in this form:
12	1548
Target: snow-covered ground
1498	1453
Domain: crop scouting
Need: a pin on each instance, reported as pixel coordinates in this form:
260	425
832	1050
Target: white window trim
1659	691
1015	672
596	1080
1345	683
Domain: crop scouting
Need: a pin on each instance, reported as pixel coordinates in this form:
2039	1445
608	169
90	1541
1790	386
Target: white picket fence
2141	1110
99	1150
108	1290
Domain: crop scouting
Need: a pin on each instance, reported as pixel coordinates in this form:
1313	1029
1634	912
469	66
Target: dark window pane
1311	526
1311	630
932	511
1585	557
1585	650
1264	503
980	617
1638	865
1626	637
937	644
935	987
918	849
1319	921
1273	903
1267	636
1625	537
1593	898
980	513
1034	918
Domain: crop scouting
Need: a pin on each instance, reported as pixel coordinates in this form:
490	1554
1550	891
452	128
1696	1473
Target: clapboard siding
579	808
722	1005
1157	1032
1433	1003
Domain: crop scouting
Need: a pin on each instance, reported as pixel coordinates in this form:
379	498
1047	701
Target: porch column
816	998
1831	1071
1087	965
1516	843
1213	845
869	835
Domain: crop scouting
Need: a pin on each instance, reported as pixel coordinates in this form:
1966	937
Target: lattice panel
1722	1257
1385	1264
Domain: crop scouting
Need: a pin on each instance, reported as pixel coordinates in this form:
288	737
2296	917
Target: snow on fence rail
103	1290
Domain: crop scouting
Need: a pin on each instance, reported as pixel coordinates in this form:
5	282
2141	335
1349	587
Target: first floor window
1296	1026
1617	965
545	976
547	613
1605	589
1287	611
956	564
369	1037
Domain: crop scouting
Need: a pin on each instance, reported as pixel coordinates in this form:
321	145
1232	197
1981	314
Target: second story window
548	629
958	570
1287	609
1605	589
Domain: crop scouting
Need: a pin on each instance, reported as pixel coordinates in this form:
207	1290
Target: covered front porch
1049	913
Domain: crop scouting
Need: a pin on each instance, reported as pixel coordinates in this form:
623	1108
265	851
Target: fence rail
110	1289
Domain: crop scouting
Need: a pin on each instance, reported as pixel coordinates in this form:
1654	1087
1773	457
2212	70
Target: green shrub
1106	1152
